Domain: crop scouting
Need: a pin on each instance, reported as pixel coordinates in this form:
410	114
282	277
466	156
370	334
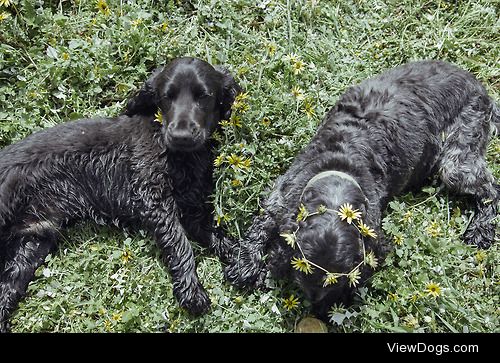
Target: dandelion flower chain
346	213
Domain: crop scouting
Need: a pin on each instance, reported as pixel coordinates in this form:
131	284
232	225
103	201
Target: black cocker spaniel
134	170
321	222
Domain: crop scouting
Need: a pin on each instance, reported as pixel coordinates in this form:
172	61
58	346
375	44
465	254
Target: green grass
66	60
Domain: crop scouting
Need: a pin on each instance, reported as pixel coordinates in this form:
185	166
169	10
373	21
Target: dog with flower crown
321	223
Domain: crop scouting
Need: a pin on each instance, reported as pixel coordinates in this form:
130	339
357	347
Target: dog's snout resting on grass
321	222
135	170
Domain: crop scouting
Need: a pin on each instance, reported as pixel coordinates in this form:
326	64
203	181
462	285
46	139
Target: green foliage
62	60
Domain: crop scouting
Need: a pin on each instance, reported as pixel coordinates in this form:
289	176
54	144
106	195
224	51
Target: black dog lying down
129	170
383	137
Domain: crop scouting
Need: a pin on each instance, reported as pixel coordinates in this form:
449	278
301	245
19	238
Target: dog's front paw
196	302
243	275
262	279
4	323
225	249
478	235
481	230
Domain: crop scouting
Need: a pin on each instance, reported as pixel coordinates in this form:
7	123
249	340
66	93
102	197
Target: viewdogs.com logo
437	349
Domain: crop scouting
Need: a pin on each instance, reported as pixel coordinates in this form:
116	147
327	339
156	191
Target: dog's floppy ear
145	100
231	90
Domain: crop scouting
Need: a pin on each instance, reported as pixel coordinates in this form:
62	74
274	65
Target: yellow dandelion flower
235	121
164	26
309	108
298	93
331	279
136	23
219	160
159	116
5	3
434	230
298	66
291	303
108	325
417	295
240	107
242	70
407	217
289	238
126	256
116	316
65	56
4	15
303	213
371	260
433	289
224	123
348	213
398	239
236	183
354	276
266	121
103	7
241	97
365	230
411	322
480	256
271	48
234	160
302	265
322	209
391	296
237	162
246	163
240	103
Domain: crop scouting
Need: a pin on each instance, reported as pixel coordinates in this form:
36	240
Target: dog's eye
170	94
203	96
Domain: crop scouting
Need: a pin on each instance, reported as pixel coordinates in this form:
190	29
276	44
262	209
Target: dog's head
193	97
328	242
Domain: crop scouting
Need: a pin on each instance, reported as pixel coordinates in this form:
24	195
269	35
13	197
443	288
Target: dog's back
438	88
402	118
77	150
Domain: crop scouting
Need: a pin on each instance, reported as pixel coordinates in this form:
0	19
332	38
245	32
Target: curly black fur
129	170
389	133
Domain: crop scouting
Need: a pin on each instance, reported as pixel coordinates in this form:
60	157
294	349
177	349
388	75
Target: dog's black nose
184	136
181	137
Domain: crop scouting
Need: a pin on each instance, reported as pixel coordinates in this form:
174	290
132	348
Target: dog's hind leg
463	169
25	248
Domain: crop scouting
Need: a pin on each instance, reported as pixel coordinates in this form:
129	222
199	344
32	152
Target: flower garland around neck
347	213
